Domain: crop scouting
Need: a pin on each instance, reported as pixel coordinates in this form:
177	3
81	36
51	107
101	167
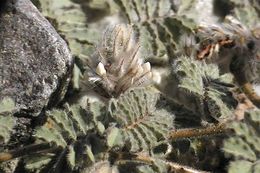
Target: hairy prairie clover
234	47
119	65
230	42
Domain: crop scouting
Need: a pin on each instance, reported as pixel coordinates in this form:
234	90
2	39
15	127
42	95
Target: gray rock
35	62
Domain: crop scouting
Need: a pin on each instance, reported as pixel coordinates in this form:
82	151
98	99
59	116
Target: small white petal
132	81
216	49
257	89
211	51
146	67
140	70
100	70
157	77
150	75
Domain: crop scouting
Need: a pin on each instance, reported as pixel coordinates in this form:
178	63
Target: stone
35	62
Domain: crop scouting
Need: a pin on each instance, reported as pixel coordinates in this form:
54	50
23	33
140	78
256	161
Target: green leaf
7	121
240	166
140	123
77	75
71	157
244	145
156	26
69	129
62	119
202	89
90	154
50	135
100	127
111	136
36	163
6	125
246	11
157	167
79	22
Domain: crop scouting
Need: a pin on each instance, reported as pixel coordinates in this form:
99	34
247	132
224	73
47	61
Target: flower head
120	66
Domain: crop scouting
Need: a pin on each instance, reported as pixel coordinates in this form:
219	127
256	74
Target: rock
35	62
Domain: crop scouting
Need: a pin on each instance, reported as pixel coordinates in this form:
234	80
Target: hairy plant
120	66
233	47
71	23
80	24
199	153
246	11
77	138
130	133
243	145
140	124
156	25
231	41
201	89
71	133
132	127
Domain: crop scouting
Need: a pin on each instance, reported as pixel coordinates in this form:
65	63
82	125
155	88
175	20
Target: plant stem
175	167
27	150
198	132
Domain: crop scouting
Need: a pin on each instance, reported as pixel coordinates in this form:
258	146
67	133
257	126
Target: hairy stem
175	167
198	132
27	150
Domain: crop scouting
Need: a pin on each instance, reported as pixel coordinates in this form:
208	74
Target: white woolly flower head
120	65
